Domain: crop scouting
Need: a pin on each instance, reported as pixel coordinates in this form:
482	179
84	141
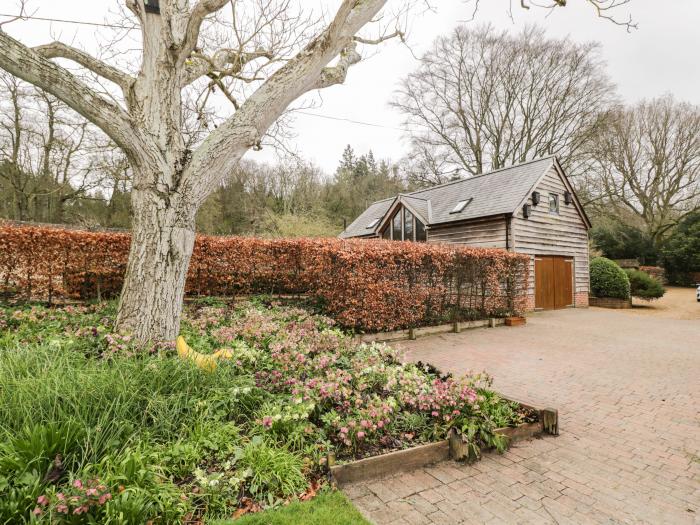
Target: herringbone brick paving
627	388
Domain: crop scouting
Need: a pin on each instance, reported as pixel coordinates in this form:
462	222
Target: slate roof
494	193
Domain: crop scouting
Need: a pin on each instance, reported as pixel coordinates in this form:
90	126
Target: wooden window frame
555	197
414	223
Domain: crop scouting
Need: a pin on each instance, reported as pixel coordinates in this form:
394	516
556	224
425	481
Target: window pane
396	226
386	234
420	231
407	225
553	203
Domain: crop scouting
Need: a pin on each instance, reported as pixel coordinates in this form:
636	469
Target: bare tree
646	162
483	99
45	154
427	166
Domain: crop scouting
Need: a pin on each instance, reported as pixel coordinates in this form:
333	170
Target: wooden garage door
553	282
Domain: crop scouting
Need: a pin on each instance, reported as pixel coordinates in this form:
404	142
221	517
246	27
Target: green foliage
681	253
273	470
644	286
608	279
92	422
289	226
621	241
328	507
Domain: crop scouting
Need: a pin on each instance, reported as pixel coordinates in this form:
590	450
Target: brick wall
609	302
581	300
530	303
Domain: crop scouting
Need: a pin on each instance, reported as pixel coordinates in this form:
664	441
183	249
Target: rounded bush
644	286
608	279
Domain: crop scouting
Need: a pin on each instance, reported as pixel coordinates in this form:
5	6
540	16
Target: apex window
405	226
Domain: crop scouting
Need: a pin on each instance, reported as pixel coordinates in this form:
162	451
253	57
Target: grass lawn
330	507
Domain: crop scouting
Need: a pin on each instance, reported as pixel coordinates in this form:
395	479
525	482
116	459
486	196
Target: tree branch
61	50
201	10
225	63
222	149
338	73
22	62
376	41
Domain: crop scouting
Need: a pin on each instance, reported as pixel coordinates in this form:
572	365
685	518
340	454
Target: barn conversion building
527	208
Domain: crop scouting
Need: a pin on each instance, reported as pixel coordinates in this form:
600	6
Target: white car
697	293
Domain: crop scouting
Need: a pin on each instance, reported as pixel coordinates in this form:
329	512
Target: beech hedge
366	285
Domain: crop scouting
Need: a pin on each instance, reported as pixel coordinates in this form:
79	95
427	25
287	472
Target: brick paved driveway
628	392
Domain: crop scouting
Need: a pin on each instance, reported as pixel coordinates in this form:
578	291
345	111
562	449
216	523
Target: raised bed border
610	302
423	455
413	333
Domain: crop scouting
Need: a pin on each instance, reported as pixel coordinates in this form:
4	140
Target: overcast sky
661	56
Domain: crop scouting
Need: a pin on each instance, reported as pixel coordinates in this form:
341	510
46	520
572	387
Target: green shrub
608	279
644	286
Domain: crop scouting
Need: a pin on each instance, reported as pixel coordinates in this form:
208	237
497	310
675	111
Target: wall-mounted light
568	197
535	198
527	211
152	6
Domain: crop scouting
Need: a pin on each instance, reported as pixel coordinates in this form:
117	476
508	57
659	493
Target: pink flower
78	484
42	500
435	413
360	435
63	509
104	498
267	421
60	496
344	430
364	423
37	511
91	492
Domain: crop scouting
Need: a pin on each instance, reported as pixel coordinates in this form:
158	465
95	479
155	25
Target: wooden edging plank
413	333
391	463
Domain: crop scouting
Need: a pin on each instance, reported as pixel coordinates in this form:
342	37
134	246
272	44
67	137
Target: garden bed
452	448
143	434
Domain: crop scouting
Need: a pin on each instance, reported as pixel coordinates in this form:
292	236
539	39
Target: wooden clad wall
489	232
544	233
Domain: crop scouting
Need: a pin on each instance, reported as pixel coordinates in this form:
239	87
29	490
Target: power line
372	124
64	21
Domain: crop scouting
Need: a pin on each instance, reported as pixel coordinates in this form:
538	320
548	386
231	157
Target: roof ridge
413	197
412	194
481	175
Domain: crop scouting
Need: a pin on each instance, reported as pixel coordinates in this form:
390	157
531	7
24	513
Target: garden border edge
409	459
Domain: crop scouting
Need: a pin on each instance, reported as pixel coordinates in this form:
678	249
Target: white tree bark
170	182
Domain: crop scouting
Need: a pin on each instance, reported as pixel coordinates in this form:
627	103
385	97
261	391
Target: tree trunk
162	240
